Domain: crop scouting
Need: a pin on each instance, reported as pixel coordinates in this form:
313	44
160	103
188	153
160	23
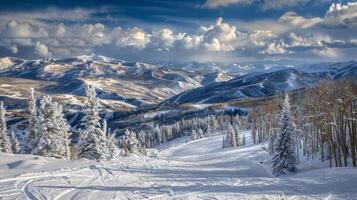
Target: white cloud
135	37
220	37
276	48
42	50
340	15
299	21
337	16
290	35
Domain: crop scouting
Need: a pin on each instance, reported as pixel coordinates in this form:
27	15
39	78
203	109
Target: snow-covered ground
198	169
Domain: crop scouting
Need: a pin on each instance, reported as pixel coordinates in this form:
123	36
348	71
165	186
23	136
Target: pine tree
193	135
284	156
157	132
92	140
200	133
32	115
52	130
233	141
236	129
112	150
5	145
14	143
130	142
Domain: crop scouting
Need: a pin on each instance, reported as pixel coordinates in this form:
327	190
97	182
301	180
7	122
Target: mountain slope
263	84
183	169
134	83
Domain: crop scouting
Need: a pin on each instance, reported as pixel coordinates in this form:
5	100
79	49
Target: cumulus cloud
42	50
290	35
276	48
134	37
337	16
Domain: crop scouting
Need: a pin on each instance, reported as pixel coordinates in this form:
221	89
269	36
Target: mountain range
127	85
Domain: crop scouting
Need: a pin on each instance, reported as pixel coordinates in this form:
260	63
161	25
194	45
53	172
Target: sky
226	31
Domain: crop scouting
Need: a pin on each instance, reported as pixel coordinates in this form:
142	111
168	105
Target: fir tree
92	140
52	130
200	133
5	145
284	151
32	115
14	143
112	150
193	135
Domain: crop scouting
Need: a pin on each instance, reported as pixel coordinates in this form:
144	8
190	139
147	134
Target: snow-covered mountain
132	84
265	84
121	84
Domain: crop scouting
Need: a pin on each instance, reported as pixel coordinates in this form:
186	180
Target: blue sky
295	31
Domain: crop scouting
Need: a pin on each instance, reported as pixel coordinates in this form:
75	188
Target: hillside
256	85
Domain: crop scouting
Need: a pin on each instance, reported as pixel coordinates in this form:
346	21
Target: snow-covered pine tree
112	150
236	130
227	137
284	152
92	140
200	133
157	132
271	141
105	127
32	115
233	137
5	144
15	147
130	142
193	135
52	130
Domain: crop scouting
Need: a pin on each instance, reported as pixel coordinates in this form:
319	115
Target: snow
198	169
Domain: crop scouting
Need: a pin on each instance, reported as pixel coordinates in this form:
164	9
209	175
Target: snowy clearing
198	169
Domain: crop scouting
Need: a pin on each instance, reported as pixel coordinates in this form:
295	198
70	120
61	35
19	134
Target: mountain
265	84
119	83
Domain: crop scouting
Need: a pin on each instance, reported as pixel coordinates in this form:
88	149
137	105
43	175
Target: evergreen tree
236	129
200	133
52	130
233	141
5	144
284	152
14	143
32	115
193	135
112	150
92	140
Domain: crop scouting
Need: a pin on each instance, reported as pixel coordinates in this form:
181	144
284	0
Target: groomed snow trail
198	169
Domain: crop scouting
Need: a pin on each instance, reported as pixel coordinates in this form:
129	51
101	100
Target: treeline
325	122
198	127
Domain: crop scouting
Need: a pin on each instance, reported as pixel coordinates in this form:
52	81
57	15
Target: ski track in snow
198	169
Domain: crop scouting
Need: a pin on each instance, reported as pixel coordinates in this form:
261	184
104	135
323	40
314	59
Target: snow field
198	169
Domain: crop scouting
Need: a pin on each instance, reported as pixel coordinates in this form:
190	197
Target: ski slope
198	169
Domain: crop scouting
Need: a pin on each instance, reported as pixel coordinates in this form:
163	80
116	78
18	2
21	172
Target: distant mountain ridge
135	84
265	84
128	85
